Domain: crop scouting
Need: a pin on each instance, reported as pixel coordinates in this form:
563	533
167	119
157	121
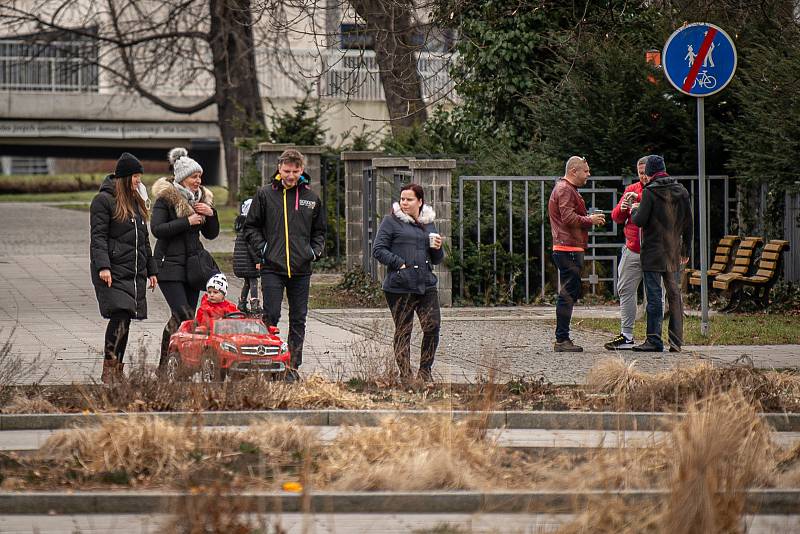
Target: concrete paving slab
335	523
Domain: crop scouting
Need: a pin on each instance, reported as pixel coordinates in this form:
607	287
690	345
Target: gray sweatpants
629	276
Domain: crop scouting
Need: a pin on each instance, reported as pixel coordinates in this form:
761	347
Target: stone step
758	501
547	420
535	441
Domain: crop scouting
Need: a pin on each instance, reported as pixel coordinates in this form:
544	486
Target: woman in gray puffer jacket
409	246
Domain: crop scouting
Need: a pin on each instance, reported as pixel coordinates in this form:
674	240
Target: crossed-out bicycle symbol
704	79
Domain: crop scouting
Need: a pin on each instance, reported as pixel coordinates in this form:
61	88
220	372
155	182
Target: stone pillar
354	164
267	156
389	175
435	175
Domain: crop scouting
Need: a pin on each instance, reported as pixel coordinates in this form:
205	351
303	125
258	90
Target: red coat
621	216
211	310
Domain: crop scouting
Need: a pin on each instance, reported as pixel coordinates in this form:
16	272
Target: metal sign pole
701	178
700	60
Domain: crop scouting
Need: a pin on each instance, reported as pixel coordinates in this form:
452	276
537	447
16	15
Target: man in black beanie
665	217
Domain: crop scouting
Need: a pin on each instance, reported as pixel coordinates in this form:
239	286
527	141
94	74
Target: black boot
162	360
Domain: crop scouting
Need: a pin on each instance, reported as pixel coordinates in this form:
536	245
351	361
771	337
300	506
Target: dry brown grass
151	450
404	454
35	404
14	369
674	389
719	450
144	392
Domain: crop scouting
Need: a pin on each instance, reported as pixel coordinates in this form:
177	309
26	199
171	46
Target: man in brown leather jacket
570	225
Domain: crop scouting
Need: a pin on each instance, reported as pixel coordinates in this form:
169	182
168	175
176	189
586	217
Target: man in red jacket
569	224
629	271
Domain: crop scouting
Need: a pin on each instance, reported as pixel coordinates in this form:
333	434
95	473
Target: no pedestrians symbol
699	59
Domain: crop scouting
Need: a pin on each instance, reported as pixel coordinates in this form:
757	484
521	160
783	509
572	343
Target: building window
48	63
355	37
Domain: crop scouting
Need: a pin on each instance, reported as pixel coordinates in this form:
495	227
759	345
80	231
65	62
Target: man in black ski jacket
286	225
665	218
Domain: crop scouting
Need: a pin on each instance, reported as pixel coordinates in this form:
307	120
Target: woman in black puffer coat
121	261
409	246
182	210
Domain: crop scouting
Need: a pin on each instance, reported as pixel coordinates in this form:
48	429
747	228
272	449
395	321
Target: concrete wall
343	120
267	155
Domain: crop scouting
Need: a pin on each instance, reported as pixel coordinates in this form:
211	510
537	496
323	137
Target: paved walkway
328	523
48	305
47	301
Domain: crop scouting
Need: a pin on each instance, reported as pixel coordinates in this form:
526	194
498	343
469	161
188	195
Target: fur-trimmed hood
426	216
164	188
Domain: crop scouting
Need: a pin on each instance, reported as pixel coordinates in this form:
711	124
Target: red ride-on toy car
233	345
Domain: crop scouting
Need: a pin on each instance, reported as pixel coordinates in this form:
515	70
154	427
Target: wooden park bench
761	281
722	260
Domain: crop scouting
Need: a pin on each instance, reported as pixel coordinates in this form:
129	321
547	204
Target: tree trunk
390	23
239	107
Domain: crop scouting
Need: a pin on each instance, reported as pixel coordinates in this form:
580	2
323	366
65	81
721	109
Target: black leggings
403	306
250	287
182	302
117	335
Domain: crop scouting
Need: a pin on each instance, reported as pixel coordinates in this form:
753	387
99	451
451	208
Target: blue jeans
569	265
655	311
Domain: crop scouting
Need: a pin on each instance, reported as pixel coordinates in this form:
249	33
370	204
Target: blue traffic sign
699	59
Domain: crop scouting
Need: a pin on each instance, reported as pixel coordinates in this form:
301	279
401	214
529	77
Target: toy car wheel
174	368
209	369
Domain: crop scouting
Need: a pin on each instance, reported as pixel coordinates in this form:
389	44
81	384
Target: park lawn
59	188
73	196
728	329
331	296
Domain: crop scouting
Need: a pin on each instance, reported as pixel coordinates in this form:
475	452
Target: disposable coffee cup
595	211
432	239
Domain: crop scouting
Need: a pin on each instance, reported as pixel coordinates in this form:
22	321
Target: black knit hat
127	165
654	164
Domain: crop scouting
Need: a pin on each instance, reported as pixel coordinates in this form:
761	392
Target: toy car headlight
284	346
230	347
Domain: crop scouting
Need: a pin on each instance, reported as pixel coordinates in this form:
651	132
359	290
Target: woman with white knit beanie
182	210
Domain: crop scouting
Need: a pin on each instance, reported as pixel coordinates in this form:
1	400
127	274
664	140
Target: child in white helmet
213	304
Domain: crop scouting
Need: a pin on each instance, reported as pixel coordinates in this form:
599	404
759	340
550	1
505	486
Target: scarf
191	198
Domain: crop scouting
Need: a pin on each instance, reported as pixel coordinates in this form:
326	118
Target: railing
509	214
343	74
331	74
69	66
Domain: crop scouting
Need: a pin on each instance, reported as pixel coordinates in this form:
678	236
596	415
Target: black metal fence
504	234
